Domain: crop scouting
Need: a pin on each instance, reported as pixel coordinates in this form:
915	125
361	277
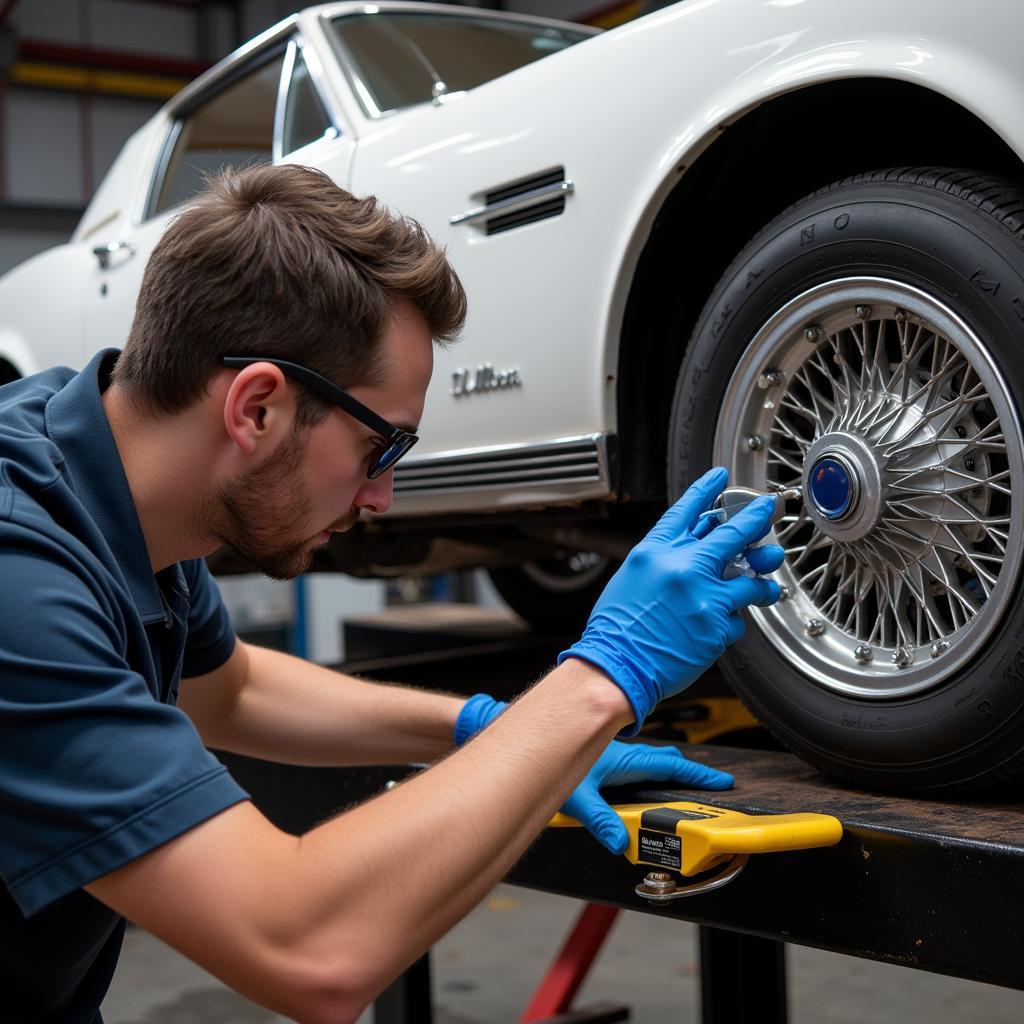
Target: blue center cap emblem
831	489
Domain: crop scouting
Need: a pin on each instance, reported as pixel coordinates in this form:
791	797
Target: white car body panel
626	113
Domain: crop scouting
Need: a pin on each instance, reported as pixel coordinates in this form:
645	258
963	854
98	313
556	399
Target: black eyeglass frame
399	441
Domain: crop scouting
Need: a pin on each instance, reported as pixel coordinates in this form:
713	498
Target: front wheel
866	346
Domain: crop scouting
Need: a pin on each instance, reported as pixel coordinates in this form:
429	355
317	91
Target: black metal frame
929	884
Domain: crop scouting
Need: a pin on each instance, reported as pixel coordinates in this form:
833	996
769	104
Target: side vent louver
545	206
524	202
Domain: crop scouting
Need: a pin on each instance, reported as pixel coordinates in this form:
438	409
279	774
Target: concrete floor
485	969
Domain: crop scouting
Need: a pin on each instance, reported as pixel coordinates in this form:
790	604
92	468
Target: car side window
304	119
232	128
401	58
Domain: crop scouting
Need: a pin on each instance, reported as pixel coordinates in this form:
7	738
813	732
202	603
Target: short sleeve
94	771
211	640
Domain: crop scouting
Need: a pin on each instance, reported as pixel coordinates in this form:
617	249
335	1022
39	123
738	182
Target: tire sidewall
947	246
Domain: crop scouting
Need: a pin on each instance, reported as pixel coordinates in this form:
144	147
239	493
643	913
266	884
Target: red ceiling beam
114	60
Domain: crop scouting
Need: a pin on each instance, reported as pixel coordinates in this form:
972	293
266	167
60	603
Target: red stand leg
558	987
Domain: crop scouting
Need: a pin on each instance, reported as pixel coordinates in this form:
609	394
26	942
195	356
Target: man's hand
619	765
667	614
622	764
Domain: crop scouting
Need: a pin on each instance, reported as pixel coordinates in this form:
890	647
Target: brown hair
279	261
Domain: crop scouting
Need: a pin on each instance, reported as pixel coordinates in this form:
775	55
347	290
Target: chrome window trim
284	84
318	78
197	98
230	65
348	65
160	169
300	49
245	60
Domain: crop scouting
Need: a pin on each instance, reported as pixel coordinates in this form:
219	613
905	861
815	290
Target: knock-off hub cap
887	409
832	486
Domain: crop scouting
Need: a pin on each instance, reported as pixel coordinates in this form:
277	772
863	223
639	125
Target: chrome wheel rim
887	409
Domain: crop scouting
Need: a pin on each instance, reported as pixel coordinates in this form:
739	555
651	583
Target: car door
491	180
265	106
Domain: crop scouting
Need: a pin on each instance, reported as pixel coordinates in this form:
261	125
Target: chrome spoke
916	559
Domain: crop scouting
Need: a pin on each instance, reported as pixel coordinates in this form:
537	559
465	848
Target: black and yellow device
710	845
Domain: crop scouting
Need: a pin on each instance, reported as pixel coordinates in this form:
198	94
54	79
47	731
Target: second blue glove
619	765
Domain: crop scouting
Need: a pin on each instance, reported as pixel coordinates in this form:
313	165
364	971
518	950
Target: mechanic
116	481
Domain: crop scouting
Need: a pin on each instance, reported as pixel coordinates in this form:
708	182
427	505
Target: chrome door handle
104	252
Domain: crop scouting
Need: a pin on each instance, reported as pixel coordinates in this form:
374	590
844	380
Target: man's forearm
315	926
290	710
439	842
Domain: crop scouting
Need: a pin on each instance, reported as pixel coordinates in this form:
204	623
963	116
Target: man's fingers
704	526
667	764
744	591
699	497
735	629
691	773
766	558
592	811
744	529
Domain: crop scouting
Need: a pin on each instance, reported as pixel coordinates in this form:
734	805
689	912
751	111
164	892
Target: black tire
556	594
959	236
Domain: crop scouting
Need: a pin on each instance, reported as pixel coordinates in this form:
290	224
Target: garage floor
486	967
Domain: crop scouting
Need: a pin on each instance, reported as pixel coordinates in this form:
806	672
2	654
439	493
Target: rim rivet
863	653
815	627
902	657
901	316
862	312
785	593
770	379
755	442
939	647
813	334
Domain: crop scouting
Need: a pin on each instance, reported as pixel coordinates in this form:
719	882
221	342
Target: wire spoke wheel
887	409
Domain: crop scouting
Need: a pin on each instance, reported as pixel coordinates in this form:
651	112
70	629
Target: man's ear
258	406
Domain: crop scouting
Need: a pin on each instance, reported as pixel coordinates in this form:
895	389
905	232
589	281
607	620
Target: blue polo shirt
97	765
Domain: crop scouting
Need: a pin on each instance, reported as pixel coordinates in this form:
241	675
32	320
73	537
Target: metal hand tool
735	499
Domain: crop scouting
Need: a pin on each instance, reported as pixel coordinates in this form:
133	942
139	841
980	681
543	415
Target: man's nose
376	495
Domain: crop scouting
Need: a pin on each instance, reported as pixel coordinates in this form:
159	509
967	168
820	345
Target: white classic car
780	235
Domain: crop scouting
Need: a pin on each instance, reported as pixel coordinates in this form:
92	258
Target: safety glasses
398	441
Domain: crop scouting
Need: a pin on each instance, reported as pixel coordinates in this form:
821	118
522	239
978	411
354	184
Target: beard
254	512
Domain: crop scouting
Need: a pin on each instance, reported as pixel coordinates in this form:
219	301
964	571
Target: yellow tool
693	839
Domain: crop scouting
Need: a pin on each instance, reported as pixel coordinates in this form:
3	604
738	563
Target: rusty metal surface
767	781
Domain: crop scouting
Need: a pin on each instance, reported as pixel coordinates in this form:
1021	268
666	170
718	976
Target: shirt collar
77	423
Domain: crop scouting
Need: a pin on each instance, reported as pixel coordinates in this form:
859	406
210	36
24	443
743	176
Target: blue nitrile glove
625	763
667	614
619	765
478	711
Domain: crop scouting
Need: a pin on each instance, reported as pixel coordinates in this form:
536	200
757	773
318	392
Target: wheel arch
760	164
15	357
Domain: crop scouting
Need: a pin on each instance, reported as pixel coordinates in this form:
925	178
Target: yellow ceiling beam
615	16
111	83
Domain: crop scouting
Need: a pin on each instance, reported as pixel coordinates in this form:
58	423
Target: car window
400	58
234	128
305	119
